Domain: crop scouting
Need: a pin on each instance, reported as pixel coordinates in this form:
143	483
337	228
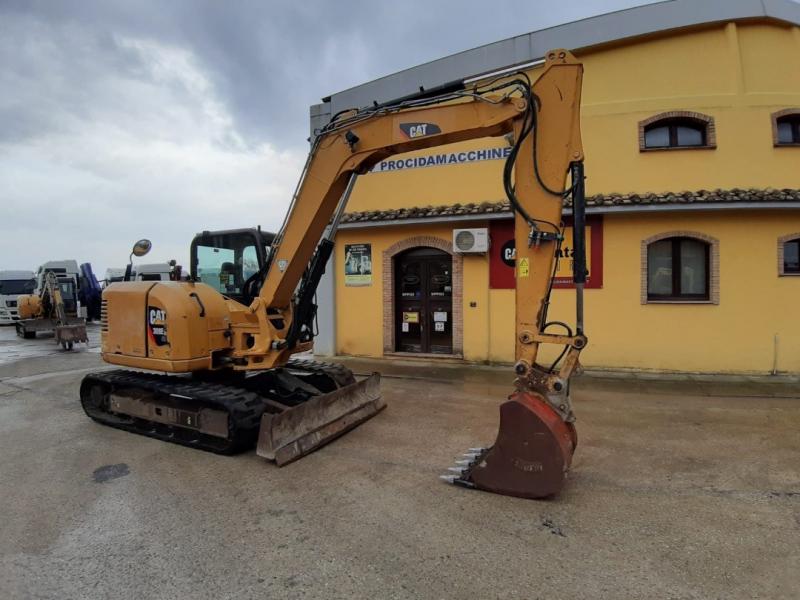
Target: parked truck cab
12	285
62	269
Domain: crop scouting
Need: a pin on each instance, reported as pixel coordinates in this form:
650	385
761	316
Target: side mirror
141	247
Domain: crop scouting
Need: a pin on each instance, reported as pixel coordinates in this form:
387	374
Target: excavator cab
232	261
69	294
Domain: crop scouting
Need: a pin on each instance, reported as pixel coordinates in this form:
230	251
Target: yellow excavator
53	309
249	305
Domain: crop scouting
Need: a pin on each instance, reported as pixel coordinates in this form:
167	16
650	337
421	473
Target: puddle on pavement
110	472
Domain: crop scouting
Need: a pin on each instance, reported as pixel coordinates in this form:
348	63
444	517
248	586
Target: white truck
62	268
153	272
147	272
113	275
13	284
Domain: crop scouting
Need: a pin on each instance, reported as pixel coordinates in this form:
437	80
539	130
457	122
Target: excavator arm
545	122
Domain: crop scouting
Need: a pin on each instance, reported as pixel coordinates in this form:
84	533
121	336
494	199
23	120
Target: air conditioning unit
471	241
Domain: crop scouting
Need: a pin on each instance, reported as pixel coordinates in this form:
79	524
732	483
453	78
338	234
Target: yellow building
691	128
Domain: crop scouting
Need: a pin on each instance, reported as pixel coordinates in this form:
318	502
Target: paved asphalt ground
679	489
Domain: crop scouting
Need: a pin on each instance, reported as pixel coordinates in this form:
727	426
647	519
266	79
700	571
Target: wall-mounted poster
357	264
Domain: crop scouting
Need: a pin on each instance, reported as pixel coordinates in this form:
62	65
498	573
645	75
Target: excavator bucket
290	434
530	457
73	330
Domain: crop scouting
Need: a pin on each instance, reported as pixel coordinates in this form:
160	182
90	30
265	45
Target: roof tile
613	199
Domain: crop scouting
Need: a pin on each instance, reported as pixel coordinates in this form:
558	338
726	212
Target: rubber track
339	373
244	409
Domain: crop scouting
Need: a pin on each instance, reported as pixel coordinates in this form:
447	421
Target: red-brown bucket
532	453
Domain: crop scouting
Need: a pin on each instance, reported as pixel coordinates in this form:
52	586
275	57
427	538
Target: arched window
789	254
671	133
680	266
786	127
677	130
677	269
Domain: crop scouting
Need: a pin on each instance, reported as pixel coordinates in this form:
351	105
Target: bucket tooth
531	455
293	433
456	481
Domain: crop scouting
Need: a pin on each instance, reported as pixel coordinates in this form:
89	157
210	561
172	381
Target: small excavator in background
53	309
249	305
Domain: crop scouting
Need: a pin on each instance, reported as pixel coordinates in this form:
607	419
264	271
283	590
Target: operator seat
228	278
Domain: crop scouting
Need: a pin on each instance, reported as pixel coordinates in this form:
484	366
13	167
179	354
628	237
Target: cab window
249	262
217	267
226	260
12	287
66	290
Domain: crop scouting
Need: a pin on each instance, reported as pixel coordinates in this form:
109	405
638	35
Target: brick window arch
677	130
789	255
388	288
786	127
680	266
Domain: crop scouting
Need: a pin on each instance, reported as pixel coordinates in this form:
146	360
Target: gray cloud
270	60
120	120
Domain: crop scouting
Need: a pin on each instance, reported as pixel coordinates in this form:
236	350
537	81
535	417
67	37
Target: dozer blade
288	435
530	457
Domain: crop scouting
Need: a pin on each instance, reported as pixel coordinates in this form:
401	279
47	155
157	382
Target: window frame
712	269
788	113
676	273
782	241
672	126
673	119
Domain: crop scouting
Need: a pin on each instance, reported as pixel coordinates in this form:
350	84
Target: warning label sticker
524	268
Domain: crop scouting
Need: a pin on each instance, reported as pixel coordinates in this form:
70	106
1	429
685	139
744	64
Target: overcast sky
127	119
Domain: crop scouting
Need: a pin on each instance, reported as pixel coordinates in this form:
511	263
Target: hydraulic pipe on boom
579	271
305	310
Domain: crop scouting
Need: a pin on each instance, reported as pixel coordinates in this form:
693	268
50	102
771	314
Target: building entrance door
424	301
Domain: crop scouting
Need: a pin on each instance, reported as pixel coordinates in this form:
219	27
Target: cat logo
418	130
157	316
157	326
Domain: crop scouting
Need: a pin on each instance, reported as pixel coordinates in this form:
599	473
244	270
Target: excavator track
292	409
339	374
217	418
